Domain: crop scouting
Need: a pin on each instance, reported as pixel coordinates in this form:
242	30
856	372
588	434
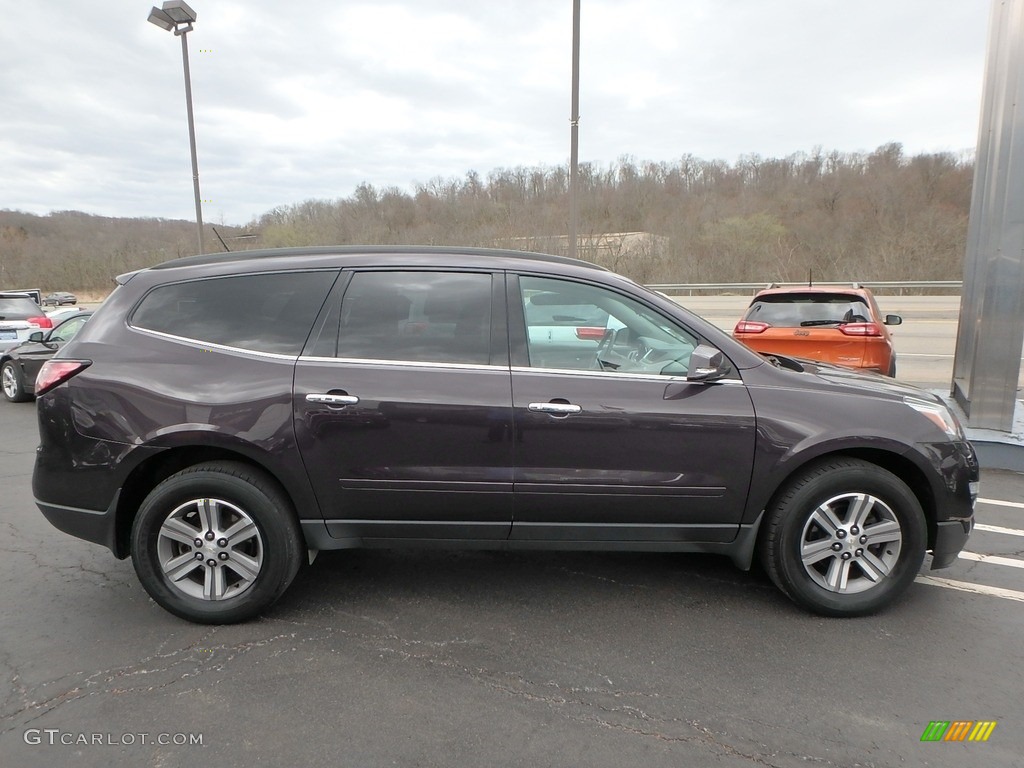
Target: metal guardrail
898	286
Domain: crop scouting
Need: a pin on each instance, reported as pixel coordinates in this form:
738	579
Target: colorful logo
958	730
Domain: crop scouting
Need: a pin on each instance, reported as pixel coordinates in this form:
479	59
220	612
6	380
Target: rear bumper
950	538
97	526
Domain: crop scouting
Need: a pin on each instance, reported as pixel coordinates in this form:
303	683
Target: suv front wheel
12	383
845	538
216	543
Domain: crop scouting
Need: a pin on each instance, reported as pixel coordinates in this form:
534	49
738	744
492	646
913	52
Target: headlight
939	415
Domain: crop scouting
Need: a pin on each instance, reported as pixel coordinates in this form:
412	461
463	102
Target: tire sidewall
19	395
854	477
281	550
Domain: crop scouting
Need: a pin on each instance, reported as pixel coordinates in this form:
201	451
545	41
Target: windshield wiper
786	363
806	323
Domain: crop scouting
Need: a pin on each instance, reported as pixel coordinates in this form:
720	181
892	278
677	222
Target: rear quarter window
264	313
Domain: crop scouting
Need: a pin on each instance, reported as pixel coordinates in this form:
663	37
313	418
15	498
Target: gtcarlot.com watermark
55	737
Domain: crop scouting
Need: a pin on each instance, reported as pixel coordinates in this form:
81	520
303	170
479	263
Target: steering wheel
638	351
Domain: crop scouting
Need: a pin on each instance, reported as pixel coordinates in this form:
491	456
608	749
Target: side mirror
893	320
707	364
36	336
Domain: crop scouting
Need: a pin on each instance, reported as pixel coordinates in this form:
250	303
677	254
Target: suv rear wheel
845	538
216	543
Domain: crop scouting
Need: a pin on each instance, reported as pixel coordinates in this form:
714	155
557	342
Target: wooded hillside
846	216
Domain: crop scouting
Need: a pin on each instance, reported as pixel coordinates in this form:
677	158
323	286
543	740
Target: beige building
604	248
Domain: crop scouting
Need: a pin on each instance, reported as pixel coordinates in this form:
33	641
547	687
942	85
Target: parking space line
1000	503
998	529
1010	562
977	589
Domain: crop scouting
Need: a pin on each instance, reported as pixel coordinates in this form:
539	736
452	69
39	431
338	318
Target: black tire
12	383
800	525
892	368
266	547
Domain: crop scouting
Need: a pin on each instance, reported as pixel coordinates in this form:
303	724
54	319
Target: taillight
590	333
56	372
750	326
861	329
40	322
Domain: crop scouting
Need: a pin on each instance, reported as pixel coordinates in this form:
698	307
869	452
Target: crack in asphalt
110	681
109	576
565	698
559	703
578	704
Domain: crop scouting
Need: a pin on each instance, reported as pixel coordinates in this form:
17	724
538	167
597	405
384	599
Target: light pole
574	135
176	16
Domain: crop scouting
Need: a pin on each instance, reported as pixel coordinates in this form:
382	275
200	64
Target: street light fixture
176	15
179	12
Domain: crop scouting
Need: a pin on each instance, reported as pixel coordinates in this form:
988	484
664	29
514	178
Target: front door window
576	326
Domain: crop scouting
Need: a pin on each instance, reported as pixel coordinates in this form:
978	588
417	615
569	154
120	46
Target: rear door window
431	317
264	313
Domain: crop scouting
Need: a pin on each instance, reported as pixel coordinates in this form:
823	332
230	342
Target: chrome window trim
403	363
209	345
504	368
617	375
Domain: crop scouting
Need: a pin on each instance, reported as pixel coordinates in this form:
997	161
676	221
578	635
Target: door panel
406	434
423	453
617	445
643	459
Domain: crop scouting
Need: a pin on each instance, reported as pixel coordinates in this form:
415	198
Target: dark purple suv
220	415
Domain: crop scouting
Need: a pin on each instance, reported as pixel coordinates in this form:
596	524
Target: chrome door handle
555	409
336	400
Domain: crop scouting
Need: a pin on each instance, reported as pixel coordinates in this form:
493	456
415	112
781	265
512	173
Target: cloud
313	100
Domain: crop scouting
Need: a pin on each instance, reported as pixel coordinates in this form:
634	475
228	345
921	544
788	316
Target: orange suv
833	324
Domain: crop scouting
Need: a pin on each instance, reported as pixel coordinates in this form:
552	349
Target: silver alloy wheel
851	543
210	549
10	383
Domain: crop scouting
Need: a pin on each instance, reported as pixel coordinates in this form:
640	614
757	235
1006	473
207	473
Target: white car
63	313
19	317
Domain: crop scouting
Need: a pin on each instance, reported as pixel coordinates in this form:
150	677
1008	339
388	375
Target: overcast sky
308	99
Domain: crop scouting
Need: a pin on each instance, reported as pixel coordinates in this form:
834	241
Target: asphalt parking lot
391	658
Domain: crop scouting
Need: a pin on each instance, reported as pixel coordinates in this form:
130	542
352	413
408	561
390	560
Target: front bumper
950	538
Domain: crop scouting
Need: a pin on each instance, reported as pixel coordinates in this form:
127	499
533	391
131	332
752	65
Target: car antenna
810	274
